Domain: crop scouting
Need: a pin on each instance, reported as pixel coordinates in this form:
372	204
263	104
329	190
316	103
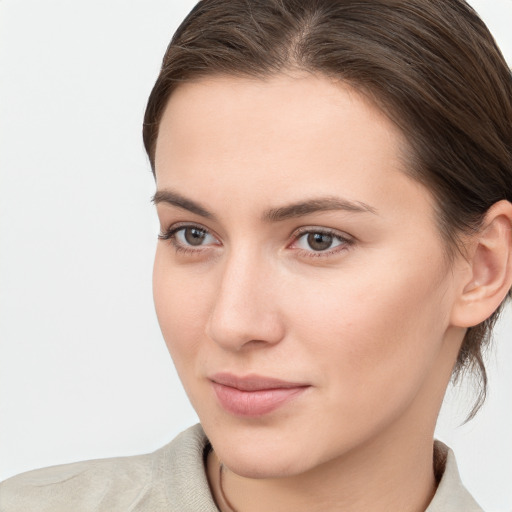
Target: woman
333	184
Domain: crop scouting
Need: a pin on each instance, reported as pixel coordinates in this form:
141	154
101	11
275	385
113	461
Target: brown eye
319	241
190	236
194	236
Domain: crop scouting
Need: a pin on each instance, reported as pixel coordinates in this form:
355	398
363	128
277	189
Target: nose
245	312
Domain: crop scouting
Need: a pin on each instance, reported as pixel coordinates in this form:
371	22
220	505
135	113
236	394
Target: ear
489	276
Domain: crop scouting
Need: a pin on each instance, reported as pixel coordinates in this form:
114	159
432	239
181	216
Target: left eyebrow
321	204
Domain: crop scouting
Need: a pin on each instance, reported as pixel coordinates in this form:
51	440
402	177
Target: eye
189	237
193	236
320	241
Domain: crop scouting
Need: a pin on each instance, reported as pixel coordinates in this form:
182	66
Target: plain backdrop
84	372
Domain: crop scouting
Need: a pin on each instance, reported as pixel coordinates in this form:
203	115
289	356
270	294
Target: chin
262	465
261	454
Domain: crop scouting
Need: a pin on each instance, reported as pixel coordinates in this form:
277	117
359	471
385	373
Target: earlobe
490	261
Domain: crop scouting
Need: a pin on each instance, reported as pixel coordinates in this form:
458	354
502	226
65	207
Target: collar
186	471
451	495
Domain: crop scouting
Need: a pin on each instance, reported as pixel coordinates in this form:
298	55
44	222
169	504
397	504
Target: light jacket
171	479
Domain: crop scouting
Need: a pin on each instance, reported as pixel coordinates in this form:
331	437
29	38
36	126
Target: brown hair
431	65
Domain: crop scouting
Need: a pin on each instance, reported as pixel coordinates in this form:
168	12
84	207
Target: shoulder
157	481
90	485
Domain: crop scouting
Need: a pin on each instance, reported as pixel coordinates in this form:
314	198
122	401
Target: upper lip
253	382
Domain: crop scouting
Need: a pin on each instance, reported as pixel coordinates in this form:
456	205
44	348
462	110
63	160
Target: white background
84	372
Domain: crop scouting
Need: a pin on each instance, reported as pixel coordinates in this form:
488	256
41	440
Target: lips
253	395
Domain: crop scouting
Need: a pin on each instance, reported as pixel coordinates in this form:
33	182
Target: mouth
253	395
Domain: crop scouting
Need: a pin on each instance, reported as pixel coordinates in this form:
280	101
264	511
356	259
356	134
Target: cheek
182	305
374	335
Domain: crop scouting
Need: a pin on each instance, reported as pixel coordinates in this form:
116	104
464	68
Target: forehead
288	134
292	107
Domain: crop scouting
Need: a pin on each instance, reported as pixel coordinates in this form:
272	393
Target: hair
431	66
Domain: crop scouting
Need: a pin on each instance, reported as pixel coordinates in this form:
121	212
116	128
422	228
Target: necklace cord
221	490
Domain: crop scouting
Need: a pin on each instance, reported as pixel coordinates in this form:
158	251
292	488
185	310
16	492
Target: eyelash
170	235
345	241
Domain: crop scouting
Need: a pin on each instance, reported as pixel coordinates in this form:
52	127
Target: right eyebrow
175	199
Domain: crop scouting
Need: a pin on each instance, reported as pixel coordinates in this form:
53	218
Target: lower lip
254	403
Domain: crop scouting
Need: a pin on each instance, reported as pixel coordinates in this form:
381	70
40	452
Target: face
300	281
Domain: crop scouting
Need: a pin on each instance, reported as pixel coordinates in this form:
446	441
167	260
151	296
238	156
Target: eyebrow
321	204
175	199
290	211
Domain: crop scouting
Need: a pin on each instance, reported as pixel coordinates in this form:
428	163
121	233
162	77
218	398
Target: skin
368	324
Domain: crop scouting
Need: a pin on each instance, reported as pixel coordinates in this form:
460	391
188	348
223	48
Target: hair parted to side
431	65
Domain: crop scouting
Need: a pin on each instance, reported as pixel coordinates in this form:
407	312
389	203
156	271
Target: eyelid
170	232
345	239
